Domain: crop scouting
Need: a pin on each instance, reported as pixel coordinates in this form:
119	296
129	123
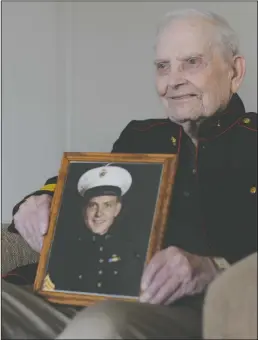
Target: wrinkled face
193	79
100	212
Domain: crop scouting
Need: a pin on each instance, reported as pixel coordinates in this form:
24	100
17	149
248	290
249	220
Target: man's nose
176	79
99	211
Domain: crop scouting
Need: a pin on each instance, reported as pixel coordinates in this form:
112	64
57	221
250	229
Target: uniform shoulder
135	136
249	121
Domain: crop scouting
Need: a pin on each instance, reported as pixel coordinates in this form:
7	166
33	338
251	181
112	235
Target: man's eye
193	62
91	205
162	66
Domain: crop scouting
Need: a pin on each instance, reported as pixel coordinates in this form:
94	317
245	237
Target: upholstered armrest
230	308
15	252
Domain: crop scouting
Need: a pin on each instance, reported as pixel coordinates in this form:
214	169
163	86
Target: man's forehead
183	38
105	198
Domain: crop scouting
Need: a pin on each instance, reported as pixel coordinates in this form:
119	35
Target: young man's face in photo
100	212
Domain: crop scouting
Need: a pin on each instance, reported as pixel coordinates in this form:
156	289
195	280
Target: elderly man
213	216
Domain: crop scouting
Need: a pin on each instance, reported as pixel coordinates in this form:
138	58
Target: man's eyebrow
180	58
108	201
189	56
158	61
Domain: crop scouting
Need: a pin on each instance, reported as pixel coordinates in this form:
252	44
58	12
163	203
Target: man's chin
184	119
180	121
100	230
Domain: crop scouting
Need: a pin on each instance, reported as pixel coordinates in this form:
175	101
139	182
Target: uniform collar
223	121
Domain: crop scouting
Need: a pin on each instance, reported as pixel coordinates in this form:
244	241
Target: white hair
226	36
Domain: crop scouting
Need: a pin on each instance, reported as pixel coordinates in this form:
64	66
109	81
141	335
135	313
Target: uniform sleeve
47	188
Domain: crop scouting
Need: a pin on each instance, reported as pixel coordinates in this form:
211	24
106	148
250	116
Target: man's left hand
173	273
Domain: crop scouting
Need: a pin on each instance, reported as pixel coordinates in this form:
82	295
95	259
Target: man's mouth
184	96
99	221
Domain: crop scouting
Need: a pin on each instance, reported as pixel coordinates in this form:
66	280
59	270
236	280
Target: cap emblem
102	173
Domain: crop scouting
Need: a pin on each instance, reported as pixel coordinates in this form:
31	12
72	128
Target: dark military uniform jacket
213	210
92	263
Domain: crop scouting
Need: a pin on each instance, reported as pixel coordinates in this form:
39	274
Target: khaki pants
230	309
123	320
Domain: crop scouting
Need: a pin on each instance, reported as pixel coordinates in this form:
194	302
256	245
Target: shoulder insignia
253	190
48	187
146	125
249	121
48	284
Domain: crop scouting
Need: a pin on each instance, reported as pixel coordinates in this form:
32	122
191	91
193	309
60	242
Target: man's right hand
32	220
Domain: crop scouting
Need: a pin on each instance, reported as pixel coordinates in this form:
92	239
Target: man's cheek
161	87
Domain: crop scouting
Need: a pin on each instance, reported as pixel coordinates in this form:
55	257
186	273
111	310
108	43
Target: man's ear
118	208
239	69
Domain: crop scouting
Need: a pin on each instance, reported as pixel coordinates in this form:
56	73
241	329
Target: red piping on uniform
179	142
197	180
230	127
196	158
248	128
13	274
151	126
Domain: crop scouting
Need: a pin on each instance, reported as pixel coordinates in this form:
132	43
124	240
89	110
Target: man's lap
26	316
123	320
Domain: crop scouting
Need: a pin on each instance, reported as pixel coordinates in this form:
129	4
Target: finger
166	291
43	214
32	237
158	280
43	222
179	293
155	264
32	233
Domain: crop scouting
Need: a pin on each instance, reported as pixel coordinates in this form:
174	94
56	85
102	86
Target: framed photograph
108	219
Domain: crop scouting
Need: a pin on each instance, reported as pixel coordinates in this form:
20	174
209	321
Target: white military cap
105	177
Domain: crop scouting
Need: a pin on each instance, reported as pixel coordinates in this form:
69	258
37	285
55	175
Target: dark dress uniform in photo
108	264
84	260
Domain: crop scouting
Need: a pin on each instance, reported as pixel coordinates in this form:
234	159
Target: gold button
99	284
186	193
246	120
100	272
253	190
173	140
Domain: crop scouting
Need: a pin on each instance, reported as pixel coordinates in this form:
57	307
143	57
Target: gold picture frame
154	176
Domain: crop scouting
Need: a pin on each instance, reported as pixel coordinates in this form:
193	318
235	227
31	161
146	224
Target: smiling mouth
99	221
184	96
